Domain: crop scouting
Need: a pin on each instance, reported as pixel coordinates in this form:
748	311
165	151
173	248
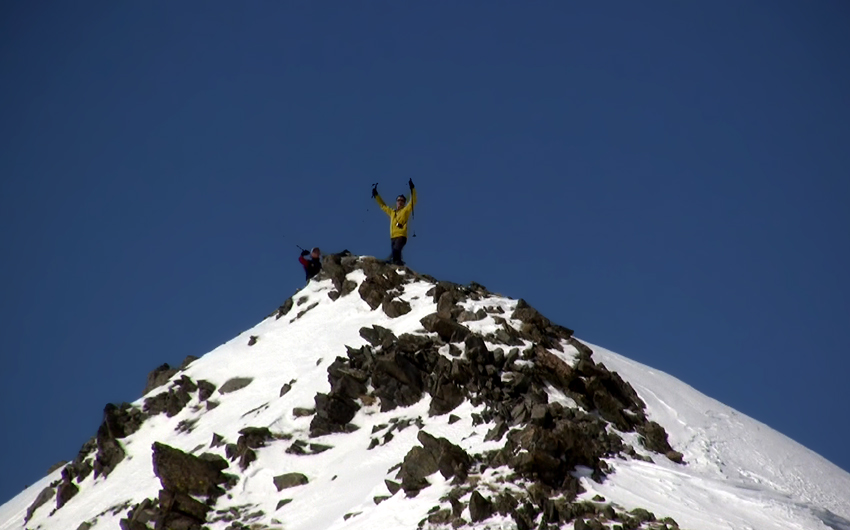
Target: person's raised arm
412	192
380	201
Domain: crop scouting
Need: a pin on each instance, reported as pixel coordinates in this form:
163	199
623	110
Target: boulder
234	384
377	335
480	508
284	309
66	490
395	307
46	494
180	472
290	480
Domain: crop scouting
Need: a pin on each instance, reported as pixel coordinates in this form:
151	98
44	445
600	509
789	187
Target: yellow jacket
398	218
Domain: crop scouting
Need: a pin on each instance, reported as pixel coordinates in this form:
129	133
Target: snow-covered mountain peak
376	397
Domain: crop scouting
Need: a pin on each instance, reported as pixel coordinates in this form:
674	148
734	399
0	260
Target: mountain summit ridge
377	397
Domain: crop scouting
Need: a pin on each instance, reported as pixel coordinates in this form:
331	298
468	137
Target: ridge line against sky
669	180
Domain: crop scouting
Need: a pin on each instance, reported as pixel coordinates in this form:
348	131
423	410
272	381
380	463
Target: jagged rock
477	352
217	440
284	309
205	390
184	505
189	359
469	316
395	308
393	487
448	330
378	336
234	384
436	454
480	508
552	368
536	327
85	525
497	432
66	490
252	340
172	401
333	413
505	503
417	464
445	397
345	380
380	279
397	380
333	269
409	343
447	304
45	495
290	480
118	422
184	473
550	452
250	438
56	466
654	437
158	377
304	311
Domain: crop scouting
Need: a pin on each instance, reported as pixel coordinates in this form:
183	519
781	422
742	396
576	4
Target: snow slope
740	474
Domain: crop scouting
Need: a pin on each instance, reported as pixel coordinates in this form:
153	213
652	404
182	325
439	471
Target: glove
304	253
410	183
374	191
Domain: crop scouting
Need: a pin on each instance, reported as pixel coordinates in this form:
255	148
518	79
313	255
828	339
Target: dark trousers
398	244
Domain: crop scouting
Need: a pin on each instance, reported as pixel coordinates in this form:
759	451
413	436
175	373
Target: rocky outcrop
250	438
172	401
180	472
435	454
66	490
159	376
46	494
183	477
543	441
118	422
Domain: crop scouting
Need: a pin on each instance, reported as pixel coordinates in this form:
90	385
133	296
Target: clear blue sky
670	179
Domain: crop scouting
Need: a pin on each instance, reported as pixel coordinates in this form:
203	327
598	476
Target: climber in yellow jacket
398	219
